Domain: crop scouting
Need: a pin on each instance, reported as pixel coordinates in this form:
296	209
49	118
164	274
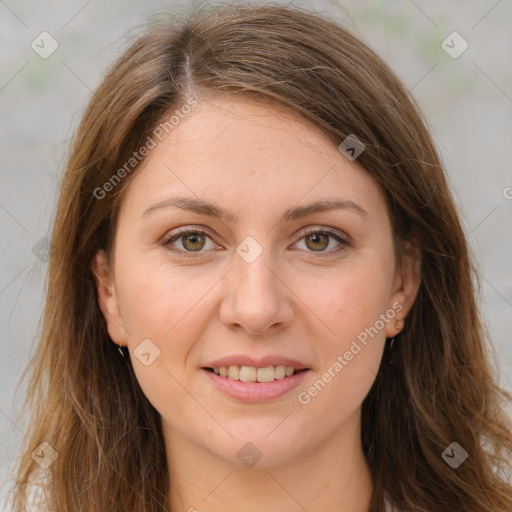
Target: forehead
242	152
243	128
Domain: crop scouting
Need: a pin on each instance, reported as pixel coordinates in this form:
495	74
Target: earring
121	351
398	326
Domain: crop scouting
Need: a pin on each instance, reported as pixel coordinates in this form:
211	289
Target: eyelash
190	254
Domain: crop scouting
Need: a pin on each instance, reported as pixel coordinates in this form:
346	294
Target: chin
259	448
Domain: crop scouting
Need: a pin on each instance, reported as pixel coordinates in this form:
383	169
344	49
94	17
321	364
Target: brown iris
316	237
197	241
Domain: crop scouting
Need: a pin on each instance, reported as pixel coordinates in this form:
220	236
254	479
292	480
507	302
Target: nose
257	299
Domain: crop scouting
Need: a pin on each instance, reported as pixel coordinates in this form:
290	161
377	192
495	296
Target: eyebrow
206	208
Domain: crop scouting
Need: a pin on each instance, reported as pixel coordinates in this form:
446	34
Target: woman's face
232	279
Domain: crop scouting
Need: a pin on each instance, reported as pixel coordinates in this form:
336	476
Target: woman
260	294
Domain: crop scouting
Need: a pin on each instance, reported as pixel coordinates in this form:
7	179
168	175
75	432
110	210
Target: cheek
353	307
350	351
349	300
163	305
156	297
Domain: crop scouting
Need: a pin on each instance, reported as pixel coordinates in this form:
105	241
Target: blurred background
454	56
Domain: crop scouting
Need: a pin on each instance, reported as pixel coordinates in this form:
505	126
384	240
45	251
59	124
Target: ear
107	298
405	288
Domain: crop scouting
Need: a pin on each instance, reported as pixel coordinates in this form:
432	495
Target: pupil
194	237
315	237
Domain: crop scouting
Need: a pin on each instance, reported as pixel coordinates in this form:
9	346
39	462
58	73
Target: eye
194	240
190	240
318	241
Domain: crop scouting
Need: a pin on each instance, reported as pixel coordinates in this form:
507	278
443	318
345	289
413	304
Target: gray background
467	101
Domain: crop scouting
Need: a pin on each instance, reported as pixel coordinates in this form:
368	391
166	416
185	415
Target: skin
255	160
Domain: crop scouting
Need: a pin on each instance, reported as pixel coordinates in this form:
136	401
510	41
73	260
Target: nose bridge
253	277
257	298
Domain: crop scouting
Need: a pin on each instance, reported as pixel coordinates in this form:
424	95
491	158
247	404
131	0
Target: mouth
255	374
255	384
251	379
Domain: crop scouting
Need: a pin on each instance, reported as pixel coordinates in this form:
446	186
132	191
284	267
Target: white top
389	507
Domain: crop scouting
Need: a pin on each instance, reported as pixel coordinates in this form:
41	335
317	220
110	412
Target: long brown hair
439	389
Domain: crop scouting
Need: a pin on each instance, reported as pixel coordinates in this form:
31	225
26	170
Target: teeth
234	372
252	374
247	373
280	371
266	374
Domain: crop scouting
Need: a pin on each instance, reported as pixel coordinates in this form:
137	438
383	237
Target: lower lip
256	391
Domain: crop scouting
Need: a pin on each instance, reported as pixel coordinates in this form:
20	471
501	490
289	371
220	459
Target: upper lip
261	362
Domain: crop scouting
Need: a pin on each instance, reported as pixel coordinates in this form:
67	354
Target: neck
331	476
